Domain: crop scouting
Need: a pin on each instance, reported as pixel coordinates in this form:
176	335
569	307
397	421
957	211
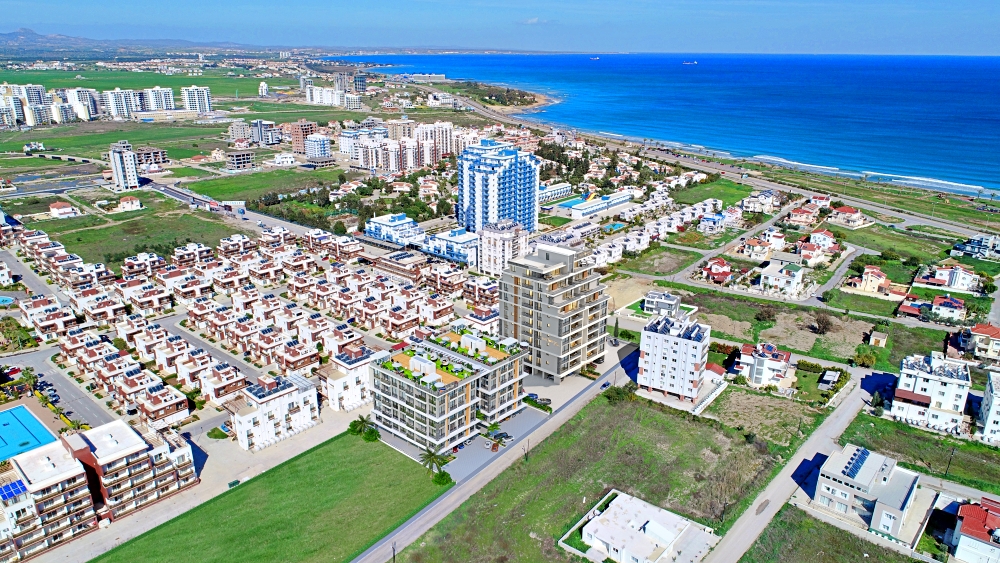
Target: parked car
533	396
544	402
503	436
606	385
53	398
495	447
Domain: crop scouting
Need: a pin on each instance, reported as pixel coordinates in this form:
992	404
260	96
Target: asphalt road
79	405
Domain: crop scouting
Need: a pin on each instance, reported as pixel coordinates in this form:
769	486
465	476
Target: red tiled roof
846	209
909	310
986	330
715	368
978	520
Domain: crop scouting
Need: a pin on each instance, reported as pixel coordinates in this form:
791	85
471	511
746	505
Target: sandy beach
540	101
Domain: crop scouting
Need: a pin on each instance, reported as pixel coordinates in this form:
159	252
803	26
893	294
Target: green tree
616	327
339	228
433	460
493	428
443	207
371	435
120	344
360	425
441	478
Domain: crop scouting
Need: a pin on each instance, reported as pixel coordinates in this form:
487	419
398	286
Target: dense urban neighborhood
360	316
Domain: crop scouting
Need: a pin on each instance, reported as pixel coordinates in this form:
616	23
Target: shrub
371	435
812	367
889	255
765	313
865	359
823	322
721	348
877	400
878	411
441	478
740	380
354	427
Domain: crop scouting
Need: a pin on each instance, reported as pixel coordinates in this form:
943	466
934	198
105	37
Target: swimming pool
20	431
572	202
614	227
4	300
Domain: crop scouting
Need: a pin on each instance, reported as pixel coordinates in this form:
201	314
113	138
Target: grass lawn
327	504
726	190
991	268
253	186
77	140
853	302
554	221
693	467
32	164
636	309
660	261
929	250
694	239
974	464
92	245
58	226
904	341
187	172
794	536
774	419
934	231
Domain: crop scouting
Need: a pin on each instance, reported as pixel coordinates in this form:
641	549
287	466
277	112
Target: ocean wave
922	182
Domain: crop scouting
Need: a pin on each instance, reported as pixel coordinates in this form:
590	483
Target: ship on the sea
689	63
595	58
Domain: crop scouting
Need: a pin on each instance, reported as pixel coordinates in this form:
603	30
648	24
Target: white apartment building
273	409
673	354
441	133
989	410
346	380
325	96
498	243
158	99
352	101
84	102
62	113
932	391
262	90
763	364
35	115
317	146
124	169
395	228
197	98
120	104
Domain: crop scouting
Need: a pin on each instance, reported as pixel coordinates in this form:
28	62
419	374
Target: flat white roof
46	465
113	441
642	529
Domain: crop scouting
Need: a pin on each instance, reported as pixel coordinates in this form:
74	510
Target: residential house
273	409
931	391
762	364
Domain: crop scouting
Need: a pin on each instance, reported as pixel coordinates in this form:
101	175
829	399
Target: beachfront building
395	228
673	352
429	395
554	301
498	243
496	181
931	391
762	364
869	486
456	245
580	209
273	409
552	192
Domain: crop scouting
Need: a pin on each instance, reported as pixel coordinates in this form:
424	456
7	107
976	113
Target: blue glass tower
496	181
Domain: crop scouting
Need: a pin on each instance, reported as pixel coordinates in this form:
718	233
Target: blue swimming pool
20	431
4	300
614	227
571	202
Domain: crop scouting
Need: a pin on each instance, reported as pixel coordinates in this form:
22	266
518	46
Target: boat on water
595	58
689	63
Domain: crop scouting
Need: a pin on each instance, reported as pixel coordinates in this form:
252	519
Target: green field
58	226
93	138
974	464
950	207
861	303
991	268
726	190
253	186
94	245
187	172
221	85
327	504
30	205
929	294
10	166
554	221
904	341
660	261
795	537
697	467
693	239
878	238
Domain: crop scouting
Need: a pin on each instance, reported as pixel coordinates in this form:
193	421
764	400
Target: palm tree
76	424
433	460
29	377
58	411
493	428
364	423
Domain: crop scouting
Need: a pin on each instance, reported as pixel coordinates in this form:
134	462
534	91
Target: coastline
541	100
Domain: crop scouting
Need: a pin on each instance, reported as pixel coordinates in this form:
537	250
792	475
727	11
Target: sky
956	27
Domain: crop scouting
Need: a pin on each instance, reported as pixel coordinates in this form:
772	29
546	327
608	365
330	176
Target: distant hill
26	44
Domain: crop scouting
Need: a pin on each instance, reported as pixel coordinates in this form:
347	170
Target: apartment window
841	507
825	501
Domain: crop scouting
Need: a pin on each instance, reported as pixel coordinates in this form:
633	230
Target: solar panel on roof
12	490
857	461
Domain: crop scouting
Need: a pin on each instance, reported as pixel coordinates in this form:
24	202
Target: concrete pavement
78	404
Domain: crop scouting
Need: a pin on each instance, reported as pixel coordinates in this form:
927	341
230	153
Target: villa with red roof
872	280
982	341
805	215
62	210
849	217
762	364
977	534
954	277
718	271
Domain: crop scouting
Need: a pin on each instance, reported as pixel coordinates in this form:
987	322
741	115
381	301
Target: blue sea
923	121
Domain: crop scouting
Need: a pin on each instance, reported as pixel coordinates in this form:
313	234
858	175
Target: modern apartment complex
498	243
931	391
197	98
672	357
273	409
554	301
429	394
298	131
124	167
496	181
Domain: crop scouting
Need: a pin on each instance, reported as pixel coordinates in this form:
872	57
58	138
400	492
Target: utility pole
393	552
525	449
949	461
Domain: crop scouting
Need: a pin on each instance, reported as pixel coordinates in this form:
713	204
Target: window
841	507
